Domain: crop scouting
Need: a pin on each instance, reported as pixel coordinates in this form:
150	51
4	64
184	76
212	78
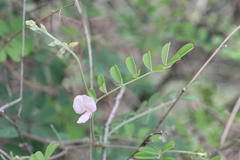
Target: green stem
122	85
92	136
73	54
200	154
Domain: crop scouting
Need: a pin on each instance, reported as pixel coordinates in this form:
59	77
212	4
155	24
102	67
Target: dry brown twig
184	89
234	142
230	121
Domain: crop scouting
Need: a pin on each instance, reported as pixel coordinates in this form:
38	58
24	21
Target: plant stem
139	116
73	54
122	85
200	154
184	89
82	13
109	121
92	137
85	21
22	57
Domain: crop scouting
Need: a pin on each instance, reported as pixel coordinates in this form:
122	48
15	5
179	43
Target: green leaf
101	83
8	132
116	74
185	49
38	156
174	59
34	157
158	68
4	28
92	93
131	66
73	44
148	149
165	51
168	158
144	155
216	158
180	53
147	60
168	146
14	50
3	158
50	150
3	56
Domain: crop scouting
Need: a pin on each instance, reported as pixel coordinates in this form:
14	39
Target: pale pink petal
78	104
84	118
89	103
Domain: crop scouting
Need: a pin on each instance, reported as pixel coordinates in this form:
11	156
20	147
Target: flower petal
78	104
89	103
84	118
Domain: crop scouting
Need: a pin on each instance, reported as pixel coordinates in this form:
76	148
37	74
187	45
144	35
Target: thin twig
81	12
54	12
109	121
38	21
59	155
88	38
124	84
66	47
150	110
230	121
22	57
18	100
118	146
183	90
47	140
40	6
2	108
19	132
5	154
234	142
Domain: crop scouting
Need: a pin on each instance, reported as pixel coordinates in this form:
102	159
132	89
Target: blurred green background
119	29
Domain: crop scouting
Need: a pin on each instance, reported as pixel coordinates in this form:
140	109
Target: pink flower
84	105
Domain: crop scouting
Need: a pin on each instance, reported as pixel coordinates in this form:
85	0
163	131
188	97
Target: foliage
49	151
132	41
